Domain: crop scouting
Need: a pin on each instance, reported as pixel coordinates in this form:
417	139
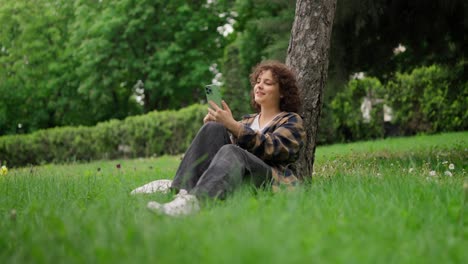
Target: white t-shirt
256	124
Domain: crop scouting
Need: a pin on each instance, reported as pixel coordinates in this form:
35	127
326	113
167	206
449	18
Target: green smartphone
213	93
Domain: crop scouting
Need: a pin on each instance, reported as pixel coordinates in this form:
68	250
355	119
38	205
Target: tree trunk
308	57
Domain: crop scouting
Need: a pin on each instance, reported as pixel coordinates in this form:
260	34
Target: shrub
348	120
429	99
426	100
156	133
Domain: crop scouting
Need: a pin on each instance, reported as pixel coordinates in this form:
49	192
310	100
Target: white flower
432	173
448	173
451	166
399	49
411	170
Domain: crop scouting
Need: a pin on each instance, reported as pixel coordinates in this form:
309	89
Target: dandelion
451	166
3	170
432	173
431	179
448	173
13	215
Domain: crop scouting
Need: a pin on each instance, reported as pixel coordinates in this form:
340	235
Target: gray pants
214	167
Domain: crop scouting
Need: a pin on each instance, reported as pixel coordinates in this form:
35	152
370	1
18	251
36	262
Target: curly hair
291	101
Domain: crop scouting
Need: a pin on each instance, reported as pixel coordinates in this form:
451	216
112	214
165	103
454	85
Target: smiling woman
285	79
259	149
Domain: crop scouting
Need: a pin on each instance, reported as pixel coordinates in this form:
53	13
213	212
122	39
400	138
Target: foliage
165	47
157	133
81	62
366	32
426	100
347	114
429	99
32	38
367	203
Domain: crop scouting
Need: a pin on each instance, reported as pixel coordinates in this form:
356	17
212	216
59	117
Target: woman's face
266	90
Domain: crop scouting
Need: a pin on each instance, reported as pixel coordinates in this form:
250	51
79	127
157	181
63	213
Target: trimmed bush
426	100
348	119
156	133
429	100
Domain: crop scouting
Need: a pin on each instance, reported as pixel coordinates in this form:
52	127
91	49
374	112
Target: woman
258	149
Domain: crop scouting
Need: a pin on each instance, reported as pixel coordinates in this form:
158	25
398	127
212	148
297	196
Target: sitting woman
259	149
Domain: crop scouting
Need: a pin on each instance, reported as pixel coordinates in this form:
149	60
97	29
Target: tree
163	48
32	37
81	62
308	57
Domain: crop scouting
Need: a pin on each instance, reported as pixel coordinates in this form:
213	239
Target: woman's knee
230	150
212	126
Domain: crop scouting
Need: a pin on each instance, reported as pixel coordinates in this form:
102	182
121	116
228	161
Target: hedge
156	133
427	99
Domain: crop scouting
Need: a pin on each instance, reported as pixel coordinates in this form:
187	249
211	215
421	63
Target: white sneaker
160	186
183	204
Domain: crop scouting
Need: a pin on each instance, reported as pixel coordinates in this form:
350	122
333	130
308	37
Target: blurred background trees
80	62
85	61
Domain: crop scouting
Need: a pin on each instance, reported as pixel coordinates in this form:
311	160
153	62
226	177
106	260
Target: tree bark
308	57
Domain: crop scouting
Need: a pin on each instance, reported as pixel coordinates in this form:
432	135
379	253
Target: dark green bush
156	133
429	99
348	119
426	100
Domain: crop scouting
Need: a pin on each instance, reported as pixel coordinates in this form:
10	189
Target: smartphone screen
213	93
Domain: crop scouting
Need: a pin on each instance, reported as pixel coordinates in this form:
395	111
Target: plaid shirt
278	145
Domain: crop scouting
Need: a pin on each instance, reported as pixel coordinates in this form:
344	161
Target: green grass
368	202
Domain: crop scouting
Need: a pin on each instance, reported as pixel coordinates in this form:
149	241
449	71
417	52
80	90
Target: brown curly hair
291	101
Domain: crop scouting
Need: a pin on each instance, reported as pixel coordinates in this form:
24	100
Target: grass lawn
391	201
